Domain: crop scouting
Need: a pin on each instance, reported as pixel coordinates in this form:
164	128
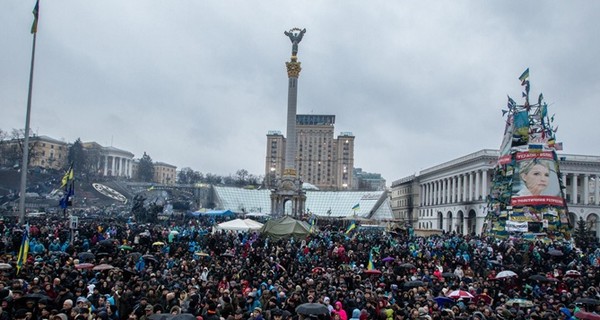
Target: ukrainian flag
23	250
351	227
356	206
370	265
67	177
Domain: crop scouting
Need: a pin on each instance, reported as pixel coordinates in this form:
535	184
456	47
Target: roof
371	204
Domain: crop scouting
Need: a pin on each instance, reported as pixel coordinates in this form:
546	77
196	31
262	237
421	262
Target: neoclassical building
452	196
113	162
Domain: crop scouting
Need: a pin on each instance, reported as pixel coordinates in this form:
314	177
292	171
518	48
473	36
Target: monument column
289	186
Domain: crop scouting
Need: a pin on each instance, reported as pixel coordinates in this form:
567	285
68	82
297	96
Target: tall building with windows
321	159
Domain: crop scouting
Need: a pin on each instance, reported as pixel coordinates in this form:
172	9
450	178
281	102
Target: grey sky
199	83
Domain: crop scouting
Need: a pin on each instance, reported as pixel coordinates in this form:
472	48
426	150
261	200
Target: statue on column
295	35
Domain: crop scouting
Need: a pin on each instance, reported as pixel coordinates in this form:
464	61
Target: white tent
239	225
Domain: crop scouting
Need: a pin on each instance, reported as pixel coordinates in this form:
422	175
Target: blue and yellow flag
35	12
68	183
356	207
23	250
370	265
351	227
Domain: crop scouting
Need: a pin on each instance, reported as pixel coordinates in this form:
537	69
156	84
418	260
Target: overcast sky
200	83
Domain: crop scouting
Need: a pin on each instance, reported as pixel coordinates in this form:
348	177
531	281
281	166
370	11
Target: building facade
48	153
112	162
363	180
165	173
452	196
321	159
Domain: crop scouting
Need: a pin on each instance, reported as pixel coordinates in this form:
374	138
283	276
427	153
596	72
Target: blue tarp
213	213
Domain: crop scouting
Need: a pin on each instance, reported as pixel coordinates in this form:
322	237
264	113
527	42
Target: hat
82	299
149	308
60	316
258	309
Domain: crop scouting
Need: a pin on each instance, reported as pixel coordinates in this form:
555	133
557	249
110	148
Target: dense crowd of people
122	270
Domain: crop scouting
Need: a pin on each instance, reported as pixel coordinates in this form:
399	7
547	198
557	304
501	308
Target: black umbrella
308	309
183	316
538	277
407	265
86	256
35	296
449	275
588	301
106	243
133	255
149	257
414	284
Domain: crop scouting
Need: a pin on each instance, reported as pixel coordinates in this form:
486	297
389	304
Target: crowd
122	270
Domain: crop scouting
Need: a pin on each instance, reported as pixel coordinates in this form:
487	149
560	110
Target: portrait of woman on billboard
537	177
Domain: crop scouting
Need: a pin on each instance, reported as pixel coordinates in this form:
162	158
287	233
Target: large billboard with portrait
536	193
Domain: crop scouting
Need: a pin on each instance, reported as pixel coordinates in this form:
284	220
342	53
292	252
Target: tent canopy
285	227
243	225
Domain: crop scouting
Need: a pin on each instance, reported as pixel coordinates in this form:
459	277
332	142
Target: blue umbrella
443	301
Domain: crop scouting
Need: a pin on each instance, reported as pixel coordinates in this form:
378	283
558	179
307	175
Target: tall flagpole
25	164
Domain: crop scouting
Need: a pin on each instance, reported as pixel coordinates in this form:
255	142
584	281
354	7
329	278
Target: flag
370	265
67	177
536	148
23	250
35	16
150	189
524	76
68	183
558	146
511	103
351	227
356	207
312	221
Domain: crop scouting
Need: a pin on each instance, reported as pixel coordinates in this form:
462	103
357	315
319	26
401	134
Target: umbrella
133	255
414	284
124	247
106	243
388	259
572	273
183	316
103	266
523	303
58	253
158	243
5	266
449	275
443	301
175	232
84	266
505	274
149	257
456	294
228	255
539	277
308	309
372	271
587	315
202	254
86	256
35	296
555	253
318	269
588	301
407	265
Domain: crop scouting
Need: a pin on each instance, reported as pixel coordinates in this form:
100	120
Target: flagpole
24	165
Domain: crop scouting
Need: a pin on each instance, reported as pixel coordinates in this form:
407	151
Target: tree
189	176
240	177
12	148
582	233
77	157
146	169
